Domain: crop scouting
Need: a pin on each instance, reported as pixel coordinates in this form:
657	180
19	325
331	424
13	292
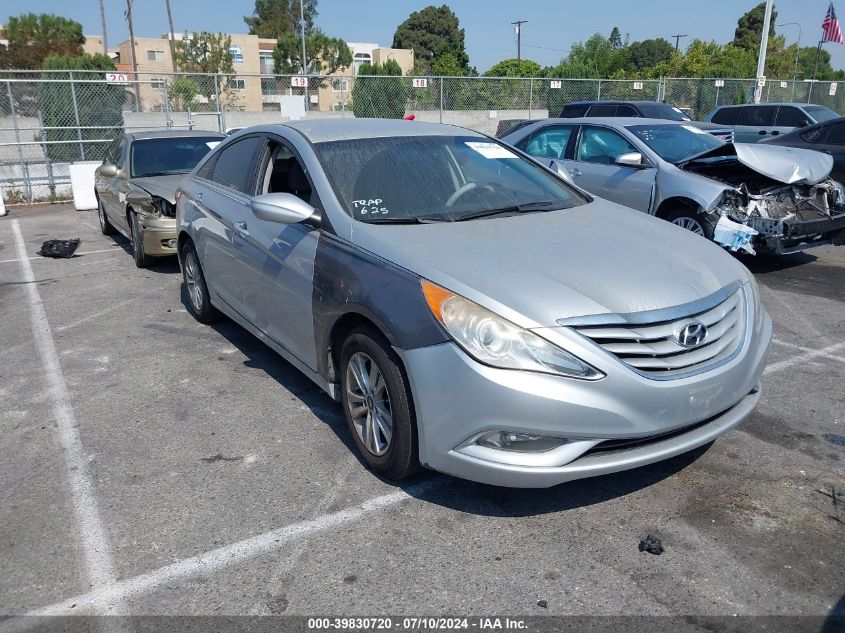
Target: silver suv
754	122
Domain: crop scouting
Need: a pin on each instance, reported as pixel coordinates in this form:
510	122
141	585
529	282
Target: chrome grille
653	348
727	136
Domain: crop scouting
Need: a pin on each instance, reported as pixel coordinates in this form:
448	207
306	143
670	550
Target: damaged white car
746	197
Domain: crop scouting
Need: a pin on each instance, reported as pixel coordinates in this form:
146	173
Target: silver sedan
471	311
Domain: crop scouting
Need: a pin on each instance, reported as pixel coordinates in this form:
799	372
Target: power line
678	39
518	24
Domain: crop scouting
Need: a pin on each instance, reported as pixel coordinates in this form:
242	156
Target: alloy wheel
368	403
691	224
194	280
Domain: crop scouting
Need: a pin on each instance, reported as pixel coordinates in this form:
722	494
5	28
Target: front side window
790	117
233	167
437	178
836	135
726	116
550	142
601	145
163	156
675	143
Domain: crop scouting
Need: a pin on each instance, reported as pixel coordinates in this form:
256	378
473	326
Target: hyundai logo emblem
692	334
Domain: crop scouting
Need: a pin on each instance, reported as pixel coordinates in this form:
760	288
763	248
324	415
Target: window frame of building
263	58
360	58
344	85
239	84
155	55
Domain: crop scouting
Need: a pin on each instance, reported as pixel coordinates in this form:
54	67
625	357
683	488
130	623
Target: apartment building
251	88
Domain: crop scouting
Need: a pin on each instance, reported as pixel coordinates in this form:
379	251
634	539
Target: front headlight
495	341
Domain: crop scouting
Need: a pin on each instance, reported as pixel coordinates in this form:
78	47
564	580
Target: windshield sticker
490	150
212	144
371	206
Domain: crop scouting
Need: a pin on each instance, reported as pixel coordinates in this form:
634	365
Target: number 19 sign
299	81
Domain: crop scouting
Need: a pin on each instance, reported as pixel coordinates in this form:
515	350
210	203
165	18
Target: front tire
106	227
691	219
199	301
142	260
377	404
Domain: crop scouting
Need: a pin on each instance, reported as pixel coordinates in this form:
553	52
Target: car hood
708	127
534	269
789	165
161	186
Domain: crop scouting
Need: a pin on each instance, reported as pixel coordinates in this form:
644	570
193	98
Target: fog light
168	243
519	442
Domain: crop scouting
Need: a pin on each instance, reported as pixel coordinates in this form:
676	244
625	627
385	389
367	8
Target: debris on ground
652	545
834	438
543	604
220	458
59	248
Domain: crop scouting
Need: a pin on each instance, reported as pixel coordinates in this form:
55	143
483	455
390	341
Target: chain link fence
50	120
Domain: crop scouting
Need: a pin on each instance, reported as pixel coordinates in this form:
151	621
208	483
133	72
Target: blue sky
553	25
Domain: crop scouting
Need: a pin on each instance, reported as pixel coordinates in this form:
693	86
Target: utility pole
131	37
761	59
518	24
307	105
678	39
103	23
172	36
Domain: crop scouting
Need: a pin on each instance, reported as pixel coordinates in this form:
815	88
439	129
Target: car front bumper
159	235
640	420
791	236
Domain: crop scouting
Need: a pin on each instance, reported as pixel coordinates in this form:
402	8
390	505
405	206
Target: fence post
51	183
24	173
441	99
168	121
221	117
76	116
598	96
530	95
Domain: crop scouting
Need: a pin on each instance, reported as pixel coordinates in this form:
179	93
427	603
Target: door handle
775	133
574	172
240	229
762	132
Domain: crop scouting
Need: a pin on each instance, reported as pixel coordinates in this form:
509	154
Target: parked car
827	137
643	109
471	311
676	172
754	122
136	187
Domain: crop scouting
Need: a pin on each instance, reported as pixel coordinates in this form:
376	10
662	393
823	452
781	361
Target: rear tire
693	220
199	301
106	227
142	260
377	404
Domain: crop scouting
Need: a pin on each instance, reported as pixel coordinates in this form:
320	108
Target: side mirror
282	208
632	159
560	171
107	170
804	123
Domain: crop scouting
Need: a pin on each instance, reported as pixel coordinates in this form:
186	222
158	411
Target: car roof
615	121
619	101
324	130
150	134
770	103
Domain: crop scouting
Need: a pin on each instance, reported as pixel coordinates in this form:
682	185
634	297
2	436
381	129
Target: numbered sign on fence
720	83
299	81
117	78
833	89
761	81
557	83
420	82
638	85
783	84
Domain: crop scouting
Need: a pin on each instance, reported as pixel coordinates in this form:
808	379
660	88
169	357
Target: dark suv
644	109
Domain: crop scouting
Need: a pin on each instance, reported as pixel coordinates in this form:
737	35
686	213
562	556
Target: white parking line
94	542
217	559
810	354
809	350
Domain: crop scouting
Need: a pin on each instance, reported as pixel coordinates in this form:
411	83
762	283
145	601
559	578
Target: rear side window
234	165
790	117
574	110
626	110
758	116
603	109
726	116
550	142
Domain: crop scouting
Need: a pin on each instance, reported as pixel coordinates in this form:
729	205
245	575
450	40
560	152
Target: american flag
830	27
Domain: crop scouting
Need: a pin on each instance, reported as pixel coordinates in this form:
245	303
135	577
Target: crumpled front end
787	218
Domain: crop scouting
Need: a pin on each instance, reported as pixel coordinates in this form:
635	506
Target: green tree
615	39
324	54
206	53
447	65
33	38
648	53
274	18
515	68
182	94
749	27
380	91
432	33
98	105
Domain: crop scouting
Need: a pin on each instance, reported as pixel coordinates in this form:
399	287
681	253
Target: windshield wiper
406	220
161	173
528	207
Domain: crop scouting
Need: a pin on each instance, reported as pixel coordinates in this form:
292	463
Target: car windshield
407	179
820	113
675	143
162	156
662	111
